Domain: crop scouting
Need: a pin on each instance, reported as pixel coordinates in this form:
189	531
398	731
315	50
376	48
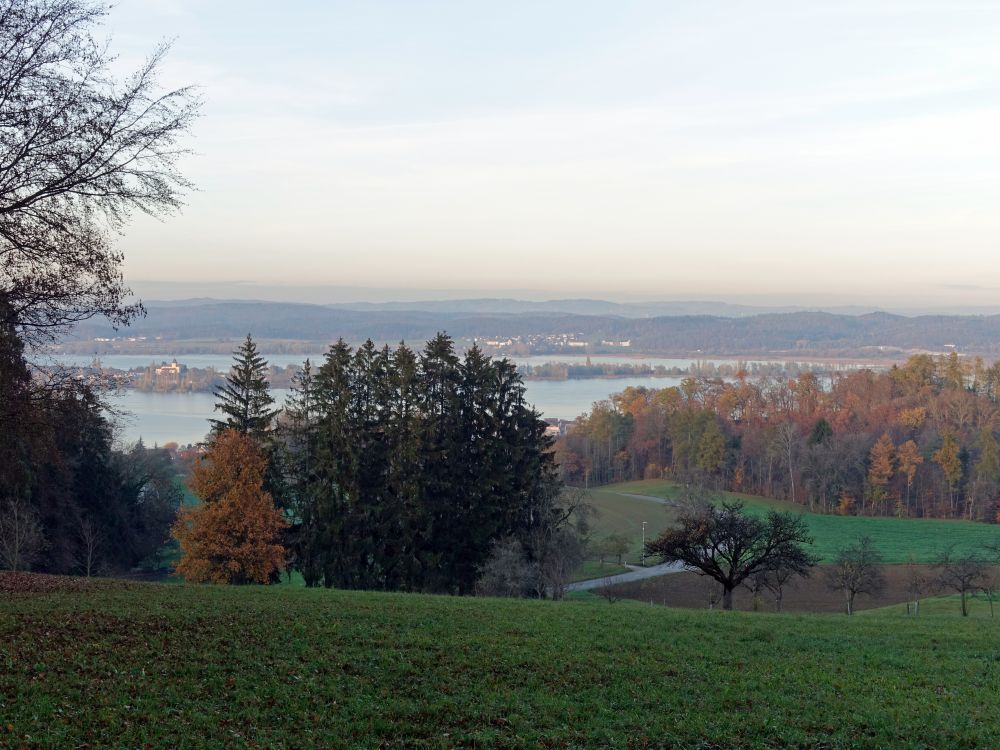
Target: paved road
650	498
635	574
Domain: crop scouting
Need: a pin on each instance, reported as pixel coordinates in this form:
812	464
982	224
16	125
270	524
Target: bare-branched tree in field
21	536
857	570
730	546
964	574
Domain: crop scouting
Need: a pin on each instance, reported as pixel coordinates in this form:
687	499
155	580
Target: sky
789	152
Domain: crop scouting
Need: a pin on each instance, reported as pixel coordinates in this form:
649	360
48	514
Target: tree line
391	469
81	149
917	440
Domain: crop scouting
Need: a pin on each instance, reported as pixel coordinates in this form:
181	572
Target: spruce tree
408	468
244	399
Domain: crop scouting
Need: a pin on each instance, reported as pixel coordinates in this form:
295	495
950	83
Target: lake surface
223	361
183	417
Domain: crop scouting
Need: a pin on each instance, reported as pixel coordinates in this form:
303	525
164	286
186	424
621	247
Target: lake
223	361
183	417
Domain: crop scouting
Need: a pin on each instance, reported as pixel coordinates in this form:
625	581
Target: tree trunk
965	607
727	598
850	602
777	598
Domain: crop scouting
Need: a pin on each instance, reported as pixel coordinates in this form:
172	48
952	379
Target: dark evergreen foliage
404	469
245	400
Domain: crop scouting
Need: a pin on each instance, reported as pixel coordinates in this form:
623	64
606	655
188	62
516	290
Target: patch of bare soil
803	595
41	583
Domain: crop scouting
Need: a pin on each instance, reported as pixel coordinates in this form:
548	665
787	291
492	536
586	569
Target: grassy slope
595	569
183	666
619	514
896	538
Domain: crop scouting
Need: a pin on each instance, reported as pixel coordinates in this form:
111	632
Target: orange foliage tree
922	438
234	535
880	458
909	458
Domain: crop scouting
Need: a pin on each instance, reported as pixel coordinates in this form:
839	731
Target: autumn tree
909	459
792	439
233	535
986	471
857	569
947	457
711	449
880	468
730	546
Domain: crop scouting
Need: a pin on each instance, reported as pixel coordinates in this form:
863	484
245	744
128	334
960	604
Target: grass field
802	595
597	569
183	666
619	514
896	538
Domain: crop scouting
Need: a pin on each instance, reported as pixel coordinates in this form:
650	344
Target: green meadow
157	666
898	539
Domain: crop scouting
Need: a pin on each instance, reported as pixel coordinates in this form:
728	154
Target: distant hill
582	306
505	306
785	334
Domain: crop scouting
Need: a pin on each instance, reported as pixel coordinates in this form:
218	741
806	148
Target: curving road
635	574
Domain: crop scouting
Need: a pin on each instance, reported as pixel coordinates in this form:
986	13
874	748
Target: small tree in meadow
730	546
918	584
857	570
963	574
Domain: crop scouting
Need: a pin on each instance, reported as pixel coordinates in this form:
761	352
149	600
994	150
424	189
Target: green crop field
279	667
898	539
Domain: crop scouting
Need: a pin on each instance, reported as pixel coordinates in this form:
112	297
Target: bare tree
776	580
607	590
788	440
857	570
91	541
616	546
918	584
730	546
755	585
80	151
990	586
556	556
963	574
507	571
21	538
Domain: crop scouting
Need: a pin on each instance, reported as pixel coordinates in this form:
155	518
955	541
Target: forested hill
796	333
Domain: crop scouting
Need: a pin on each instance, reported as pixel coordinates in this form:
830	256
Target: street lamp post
643	558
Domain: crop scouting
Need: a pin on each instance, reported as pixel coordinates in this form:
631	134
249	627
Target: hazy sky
836	151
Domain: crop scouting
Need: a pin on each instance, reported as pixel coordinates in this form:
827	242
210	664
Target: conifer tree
245	400
234	535
417	465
